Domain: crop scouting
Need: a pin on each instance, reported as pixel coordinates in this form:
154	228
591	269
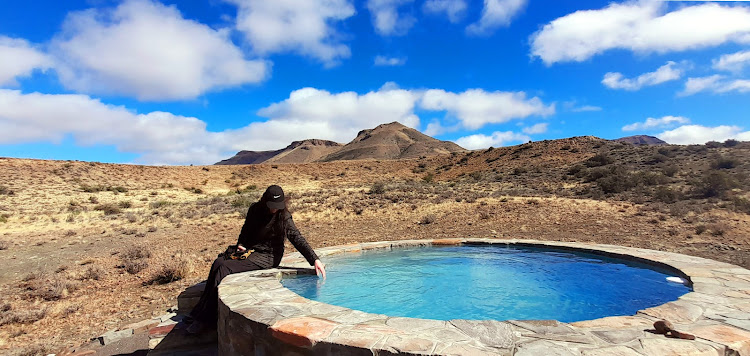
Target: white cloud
497	138
387	19
476	107
19	59
716	84
149	51
496	14
159	136
536	129
640	26
166	138
652	123
335	116
734	62
697	134
389	61
586	108
665	73
305	27
453	9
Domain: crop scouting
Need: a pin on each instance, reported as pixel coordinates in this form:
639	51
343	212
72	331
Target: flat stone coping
258	314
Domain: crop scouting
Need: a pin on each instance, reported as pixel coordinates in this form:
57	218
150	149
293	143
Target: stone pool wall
258	316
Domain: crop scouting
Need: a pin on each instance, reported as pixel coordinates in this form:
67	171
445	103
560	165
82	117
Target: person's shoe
196	327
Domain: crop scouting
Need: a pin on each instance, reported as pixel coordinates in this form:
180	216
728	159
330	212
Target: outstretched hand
320	269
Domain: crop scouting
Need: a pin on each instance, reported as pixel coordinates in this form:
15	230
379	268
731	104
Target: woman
267	224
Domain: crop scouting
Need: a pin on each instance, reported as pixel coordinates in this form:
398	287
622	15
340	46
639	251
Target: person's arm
246	233
299	242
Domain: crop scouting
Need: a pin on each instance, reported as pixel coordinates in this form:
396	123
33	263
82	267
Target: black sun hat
274	197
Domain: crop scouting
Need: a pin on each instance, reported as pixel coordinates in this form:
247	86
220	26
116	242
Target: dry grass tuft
4	245
10	316
171	271
93	272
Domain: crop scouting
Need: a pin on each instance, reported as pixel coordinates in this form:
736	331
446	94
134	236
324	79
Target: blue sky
193	82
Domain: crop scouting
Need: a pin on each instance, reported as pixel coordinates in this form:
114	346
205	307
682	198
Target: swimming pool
489	283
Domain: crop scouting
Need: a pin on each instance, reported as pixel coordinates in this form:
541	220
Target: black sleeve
299	242
246	234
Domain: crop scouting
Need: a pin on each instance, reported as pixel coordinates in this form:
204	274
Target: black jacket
263	233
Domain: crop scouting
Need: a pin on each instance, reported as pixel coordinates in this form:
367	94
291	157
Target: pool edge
257	314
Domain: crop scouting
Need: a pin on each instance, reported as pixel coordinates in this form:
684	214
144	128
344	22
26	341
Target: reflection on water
487	282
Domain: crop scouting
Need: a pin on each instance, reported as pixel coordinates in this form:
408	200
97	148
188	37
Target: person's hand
320	269
241	248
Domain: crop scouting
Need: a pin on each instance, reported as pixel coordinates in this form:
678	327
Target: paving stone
355	316
542	347
351	337
160	331
611	351
469	350
114	335
545	327
153	343
575	338
167	317
405	344
676	347
413	324
739	294
446	242
142	325
618	336
615	322
733	338
489	332
676	312
303	331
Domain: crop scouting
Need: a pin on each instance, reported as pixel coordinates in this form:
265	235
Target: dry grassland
89	247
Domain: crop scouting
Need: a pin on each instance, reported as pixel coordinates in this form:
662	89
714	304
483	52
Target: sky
167	82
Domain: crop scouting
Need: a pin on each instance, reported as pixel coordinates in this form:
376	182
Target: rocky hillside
641	140
392	141
297	152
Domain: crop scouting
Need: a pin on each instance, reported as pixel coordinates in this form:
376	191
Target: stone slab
160	331
114	335
676	347
303	331
142	325
489	332
731	337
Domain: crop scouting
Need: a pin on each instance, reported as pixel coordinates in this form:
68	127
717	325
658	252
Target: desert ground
88	247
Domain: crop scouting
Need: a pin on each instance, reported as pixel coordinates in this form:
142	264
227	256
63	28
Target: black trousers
206	310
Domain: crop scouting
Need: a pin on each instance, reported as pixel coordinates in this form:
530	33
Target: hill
297	152
641	140
392	141
387	141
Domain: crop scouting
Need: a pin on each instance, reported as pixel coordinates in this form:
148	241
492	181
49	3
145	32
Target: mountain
387	141
297	152
305	151
641	140
392	141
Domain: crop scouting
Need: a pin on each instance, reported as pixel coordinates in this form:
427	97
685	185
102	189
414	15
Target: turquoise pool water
488	282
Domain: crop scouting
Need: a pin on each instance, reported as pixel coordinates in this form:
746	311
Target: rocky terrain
89	247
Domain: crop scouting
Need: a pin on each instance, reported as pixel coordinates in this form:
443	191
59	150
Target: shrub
6	191
10	316
598	160
93	273
670	170
135	266
243	201
715	184
135	252
428	178
576	170
93	200
666	195
713	144
158	204
742	204
377	188
725	163
476	175
4	245
731	143
4	218
519	170
700	229
108	209
173	270
427	219
125	204
657	158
